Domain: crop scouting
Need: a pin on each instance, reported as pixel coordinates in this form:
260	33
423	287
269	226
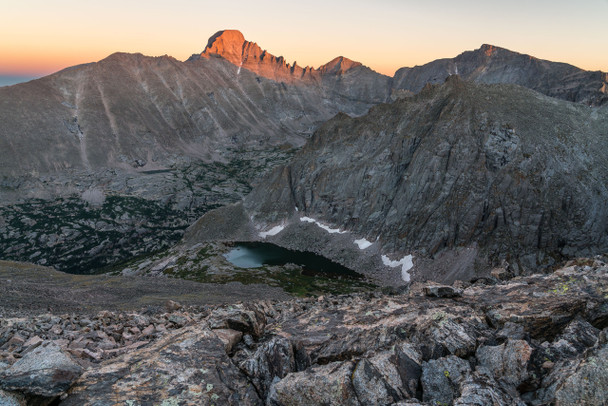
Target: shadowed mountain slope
130	110
491	64
461	176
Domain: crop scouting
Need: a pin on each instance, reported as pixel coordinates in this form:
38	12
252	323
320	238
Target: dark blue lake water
258	254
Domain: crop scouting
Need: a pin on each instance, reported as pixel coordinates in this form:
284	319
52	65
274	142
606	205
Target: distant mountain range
9	80
132	111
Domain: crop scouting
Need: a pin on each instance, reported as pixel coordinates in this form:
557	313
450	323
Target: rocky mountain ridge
490	64
232	46
144	110
462	177
533	340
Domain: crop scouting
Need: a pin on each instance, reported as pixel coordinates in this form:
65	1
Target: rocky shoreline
534	340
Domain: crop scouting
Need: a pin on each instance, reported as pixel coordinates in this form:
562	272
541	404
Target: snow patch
363	243
238	72
273	231
405	262
323	226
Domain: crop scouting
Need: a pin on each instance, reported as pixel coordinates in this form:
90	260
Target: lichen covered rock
46	371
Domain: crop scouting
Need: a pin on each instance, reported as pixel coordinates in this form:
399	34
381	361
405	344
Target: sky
39	37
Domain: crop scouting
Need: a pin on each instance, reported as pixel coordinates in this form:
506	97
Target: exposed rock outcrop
45	371
353	349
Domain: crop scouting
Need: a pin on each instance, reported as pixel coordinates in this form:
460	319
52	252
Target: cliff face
461	172
232	46
491	64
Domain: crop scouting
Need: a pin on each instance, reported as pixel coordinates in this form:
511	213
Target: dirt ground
27	288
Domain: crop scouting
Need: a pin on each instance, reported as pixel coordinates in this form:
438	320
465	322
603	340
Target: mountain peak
339	65
487	49
491	50
232	46
227	44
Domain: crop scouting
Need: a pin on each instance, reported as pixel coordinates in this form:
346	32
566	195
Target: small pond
259	254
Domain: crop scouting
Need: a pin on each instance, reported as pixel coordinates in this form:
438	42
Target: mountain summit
491	64
232	46
229	44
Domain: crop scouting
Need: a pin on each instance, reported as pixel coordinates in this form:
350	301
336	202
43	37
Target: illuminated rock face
232	46
229	44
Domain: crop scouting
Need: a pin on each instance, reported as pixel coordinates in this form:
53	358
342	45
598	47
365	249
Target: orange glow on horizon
45	62
44	37
42	64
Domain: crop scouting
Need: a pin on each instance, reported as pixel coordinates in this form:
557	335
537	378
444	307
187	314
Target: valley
191	136
236	229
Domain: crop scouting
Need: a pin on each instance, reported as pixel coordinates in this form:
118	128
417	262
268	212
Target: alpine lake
297	272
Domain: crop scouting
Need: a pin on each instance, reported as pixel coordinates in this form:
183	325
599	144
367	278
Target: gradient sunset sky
41	37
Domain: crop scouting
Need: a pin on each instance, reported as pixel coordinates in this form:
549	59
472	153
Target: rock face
525	341
190	366
461	177
45	371
491	64
232	46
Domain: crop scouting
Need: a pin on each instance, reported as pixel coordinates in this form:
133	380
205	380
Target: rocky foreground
533	340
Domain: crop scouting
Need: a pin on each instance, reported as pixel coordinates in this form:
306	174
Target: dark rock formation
440	378
462	176
11	399
321	385
189	366
441	291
